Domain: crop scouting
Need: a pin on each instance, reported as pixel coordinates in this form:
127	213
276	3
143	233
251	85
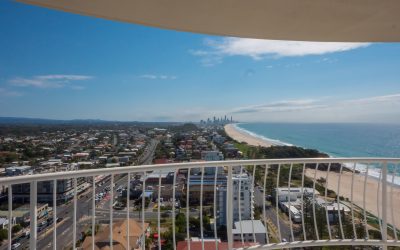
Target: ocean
337	140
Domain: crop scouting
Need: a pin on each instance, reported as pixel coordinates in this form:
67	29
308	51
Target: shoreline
241	136
371	197
346	179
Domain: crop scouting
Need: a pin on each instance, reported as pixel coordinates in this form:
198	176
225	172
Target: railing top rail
228	163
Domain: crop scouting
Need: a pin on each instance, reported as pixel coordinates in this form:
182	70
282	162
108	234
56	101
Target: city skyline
58	65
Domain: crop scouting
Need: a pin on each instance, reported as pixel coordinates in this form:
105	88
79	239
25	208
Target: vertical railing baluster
378	194
173	209
313	203
239	206
215	208
326	198
229	208
111	210
384	204
392	204
128	194
55	214
187	209
290	214
93	211
302	203
338	200
74	215
10	220
144	211
252	202
364	195
264	203
33	215
351	202
201	208
159	211
277	203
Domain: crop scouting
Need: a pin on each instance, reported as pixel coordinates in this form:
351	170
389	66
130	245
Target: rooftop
247	227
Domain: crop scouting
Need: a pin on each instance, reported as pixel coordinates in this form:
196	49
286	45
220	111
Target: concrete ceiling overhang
300	20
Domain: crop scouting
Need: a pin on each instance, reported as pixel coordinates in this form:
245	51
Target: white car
15	245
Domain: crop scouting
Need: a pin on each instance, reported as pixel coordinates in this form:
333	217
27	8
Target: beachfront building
284	194
333	208
293	210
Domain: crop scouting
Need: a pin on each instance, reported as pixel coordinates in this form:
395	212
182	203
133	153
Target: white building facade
242	199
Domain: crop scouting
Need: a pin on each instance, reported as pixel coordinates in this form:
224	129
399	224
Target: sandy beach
371	198
245	137
371	193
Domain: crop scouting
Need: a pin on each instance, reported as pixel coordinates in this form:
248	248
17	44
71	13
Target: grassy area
245	148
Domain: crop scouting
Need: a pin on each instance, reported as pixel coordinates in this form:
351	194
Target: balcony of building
266	204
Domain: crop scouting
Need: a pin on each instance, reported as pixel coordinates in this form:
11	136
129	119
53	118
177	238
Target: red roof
161	161
210	245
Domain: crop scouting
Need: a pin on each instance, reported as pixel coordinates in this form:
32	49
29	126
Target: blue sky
65	66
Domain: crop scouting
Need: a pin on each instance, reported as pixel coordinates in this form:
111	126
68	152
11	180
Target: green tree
16	228
3	234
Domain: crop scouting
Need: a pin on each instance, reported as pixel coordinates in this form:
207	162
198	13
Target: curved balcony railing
266	204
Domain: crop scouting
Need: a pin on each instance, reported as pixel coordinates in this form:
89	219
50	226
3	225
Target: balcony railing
295	202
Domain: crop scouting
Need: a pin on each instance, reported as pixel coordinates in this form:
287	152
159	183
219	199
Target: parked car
15	245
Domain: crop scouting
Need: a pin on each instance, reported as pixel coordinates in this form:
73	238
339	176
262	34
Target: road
84	210
270	212
148	153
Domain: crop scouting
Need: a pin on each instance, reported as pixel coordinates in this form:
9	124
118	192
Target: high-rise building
245	201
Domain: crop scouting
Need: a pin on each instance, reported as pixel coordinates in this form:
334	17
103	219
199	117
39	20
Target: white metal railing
321	224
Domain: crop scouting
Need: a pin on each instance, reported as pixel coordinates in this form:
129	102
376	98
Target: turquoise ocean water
337	140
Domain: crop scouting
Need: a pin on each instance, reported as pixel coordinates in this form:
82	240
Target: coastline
232	131
371	197
346	179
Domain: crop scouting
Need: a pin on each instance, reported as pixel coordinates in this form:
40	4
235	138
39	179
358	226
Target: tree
180	227
3	234
16	228
320	218
180	223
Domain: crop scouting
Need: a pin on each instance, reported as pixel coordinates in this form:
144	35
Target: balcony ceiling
301	20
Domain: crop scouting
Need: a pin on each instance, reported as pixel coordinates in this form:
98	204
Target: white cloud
153	77
6	92
208	58
393	99
258	49
48	81
384	108
158	77
281	106
65	77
